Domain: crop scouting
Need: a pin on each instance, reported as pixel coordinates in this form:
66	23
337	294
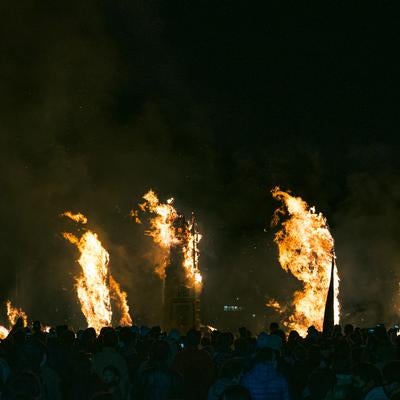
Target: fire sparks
80	218
121	299
305	247
166	233
275	305
92	284
14	313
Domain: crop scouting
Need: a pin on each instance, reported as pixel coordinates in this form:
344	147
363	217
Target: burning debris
169	229
13	314
305	247
95	286
275	306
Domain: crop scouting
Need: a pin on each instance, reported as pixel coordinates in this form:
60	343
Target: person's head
155	332
36	326
243	332
348	330
367	376
273	342
293	337
337	331
312	331
193	338
225	341
88	337
20	323
241	346
320	383
160	352
174	335
127	337
67	337
273	327
111	376
236	393
109	338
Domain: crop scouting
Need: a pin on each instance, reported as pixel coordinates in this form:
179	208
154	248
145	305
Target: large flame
13	313
95	282
191	254
120	298
305	247
91	284
164	232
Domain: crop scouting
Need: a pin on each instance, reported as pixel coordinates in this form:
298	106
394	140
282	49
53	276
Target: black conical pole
329	315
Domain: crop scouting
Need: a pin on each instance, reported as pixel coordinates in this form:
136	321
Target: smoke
86	126
101	101
367	232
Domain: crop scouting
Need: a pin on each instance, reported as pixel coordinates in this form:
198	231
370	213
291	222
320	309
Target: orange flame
14	313
121	298
91	285
3	332
166	235
94	283
305	247
78	217
275	305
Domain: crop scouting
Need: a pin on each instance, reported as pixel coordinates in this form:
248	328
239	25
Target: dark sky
213	104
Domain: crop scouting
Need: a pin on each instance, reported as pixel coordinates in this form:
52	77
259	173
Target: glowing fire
14	313
94	284
3	332
121	299
78	217
275	305
91	285
305	247
164	231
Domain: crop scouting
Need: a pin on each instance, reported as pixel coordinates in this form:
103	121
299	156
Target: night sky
213	103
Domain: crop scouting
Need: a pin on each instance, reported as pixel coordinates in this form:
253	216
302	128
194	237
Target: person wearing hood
263	381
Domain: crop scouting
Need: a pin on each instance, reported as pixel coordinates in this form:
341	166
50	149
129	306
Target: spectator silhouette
195	366
263	380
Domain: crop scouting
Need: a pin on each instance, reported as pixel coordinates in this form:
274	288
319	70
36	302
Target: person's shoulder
377	393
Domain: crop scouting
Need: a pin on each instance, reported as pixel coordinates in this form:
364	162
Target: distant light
254	315
229	308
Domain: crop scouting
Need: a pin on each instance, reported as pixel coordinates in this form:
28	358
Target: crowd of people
130	363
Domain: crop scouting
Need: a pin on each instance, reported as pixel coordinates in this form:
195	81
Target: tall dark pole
329	315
